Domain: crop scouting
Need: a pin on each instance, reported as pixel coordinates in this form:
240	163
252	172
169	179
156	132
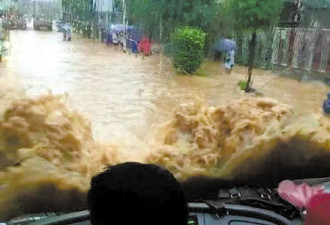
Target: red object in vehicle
144	46
312	198
318	210
298	195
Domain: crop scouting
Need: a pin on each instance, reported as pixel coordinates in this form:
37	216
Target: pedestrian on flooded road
144	47
115	39
134	45
229	60
326	104
67	35
227	46
109	38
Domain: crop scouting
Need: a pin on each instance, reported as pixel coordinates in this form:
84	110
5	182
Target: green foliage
242	84
76	9
188	49
160	17
254	15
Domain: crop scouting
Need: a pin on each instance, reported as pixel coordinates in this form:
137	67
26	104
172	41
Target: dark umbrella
225	45
117	28
134	33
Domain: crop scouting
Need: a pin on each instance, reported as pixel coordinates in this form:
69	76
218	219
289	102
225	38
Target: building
303	40
7	5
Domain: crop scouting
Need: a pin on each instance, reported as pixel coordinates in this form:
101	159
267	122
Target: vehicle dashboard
199	214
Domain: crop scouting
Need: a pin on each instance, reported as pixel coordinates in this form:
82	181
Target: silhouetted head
134	193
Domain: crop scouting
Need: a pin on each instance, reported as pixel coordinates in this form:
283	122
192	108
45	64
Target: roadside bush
242	84
188	49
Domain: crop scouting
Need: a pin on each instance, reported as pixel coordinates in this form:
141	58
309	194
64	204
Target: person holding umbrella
228	47
66	29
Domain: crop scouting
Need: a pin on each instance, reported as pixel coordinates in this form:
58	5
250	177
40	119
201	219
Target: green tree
78	9
159	18
188	45
252	16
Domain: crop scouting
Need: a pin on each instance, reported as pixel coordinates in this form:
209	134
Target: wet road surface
123	95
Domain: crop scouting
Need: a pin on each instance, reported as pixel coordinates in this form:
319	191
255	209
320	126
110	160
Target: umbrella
66	27
134	33
132	30
118	28
225	45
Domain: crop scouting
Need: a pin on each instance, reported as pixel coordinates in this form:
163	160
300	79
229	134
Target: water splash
252	139
47	150
48	153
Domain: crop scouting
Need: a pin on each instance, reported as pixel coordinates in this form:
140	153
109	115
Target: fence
302	50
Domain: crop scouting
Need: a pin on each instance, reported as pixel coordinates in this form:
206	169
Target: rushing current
68	109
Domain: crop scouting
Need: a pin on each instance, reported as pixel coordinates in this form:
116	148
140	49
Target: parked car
21	24
41	23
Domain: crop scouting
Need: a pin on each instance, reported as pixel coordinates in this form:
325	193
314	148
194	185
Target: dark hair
133	193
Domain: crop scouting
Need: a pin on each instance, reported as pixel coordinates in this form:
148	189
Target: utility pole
295	22
124	12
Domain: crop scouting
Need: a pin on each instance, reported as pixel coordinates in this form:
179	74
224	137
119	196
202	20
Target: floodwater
202	125
123	95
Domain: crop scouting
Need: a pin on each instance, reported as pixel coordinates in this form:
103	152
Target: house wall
310	46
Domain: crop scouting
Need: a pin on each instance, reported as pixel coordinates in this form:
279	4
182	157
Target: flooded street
123	95
131	109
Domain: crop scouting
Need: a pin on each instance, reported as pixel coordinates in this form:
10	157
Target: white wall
103	5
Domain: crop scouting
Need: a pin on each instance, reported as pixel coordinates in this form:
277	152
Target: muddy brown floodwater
190	124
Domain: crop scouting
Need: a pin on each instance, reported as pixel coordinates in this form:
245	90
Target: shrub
188	49
242	84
